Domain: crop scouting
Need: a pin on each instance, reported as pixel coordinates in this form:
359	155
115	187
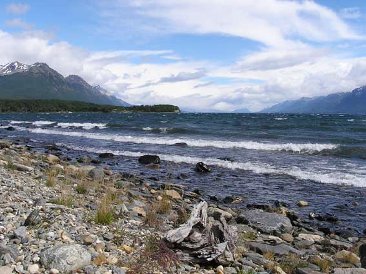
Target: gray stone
281	249
12	251
6	270
271	223
307	270
65	258
33	218
21	234
255	258
21	167
97	174
349	271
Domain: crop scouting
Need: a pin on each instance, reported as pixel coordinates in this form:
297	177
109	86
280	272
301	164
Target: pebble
34	268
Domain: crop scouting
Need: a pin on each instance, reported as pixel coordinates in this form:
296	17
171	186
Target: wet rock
182	144
65	258
33	218
202	168
349	271
84	159
149	159
106	155
10	128
281	249
324	217
302	203
232	199
264	207
362	252
271	223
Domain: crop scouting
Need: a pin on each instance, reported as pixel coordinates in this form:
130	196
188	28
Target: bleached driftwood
203	239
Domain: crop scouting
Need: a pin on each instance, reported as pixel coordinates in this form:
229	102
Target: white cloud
351	13
18	23
286	67
17	8
271	22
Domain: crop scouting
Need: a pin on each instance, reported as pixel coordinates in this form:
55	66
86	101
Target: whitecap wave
19	122
251	145
328	177
43	123
280	118
147	128
82	125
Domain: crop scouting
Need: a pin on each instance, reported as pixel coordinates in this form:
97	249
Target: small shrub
155	256
269	255
291	262
323	264
104	215
81	188
248	235
183	216
164	206
152	218
65	200
10	165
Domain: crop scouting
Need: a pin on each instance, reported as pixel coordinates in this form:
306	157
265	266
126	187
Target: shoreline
119	223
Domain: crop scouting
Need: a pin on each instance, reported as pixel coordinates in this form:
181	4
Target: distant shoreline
63	106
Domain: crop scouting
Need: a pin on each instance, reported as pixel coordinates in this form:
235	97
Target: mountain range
39	81
353	102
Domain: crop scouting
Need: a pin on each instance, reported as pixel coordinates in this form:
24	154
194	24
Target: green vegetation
75	106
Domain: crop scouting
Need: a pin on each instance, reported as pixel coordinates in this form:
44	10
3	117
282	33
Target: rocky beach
59	215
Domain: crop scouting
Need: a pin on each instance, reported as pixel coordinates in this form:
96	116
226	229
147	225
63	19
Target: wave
280	118
62	125
251	145
82	125
339	178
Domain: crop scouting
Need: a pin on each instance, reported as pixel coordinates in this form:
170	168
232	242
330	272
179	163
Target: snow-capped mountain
39	81
13	67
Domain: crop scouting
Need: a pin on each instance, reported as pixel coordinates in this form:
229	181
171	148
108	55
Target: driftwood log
203	239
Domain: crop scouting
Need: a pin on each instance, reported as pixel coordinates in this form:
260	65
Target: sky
202	55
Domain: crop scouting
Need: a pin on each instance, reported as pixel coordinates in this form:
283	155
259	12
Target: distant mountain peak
76	79
13	67
39	81
353	102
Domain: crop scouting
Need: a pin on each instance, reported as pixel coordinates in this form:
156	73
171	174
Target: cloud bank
295	56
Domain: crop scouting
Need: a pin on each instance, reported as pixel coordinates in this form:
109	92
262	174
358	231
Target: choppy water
264	157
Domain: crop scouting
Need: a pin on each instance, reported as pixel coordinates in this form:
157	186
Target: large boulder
65	258
149	159
202	167
271	223
97	174
52	159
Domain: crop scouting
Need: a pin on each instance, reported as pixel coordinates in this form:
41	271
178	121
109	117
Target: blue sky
202	55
